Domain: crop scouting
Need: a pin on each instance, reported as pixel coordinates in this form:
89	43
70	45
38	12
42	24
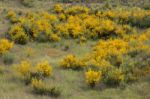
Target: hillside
74	49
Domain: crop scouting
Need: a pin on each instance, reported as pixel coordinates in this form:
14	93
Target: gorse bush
34	76
75	22
8	58
39	87
5	46
93	77
44	69
71	62
17	34
12	16
115	61
24	68
40	71
58	8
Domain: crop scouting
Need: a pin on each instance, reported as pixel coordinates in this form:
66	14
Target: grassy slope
70	82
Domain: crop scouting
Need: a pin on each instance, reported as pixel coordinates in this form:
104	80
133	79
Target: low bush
39	87
8	58
40	71
17	34
5	46
44	69
93	77
114	77
71	62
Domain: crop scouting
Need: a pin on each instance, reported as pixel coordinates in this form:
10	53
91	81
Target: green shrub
141	23
42	38
8	58
114	76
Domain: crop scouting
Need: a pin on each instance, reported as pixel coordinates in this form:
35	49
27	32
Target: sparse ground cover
68	51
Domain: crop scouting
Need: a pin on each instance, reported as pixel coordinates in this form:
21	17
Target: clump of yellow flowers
55	37
44	68
37	83
73	22
39	71
17	34
24	68
5	45
107	58
12	16
58	8
111	47
93	77
104	50
72	62
39	87
34	75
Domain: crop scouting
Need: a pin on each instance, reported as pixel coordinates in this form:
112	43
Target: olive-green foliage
8	58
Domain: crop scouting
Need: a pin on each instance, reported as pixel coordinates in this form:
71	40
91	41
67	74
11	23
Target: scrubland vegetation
68	49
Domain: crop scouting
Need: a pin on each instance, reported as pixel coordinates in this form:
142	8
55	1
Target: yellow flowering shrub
62	17
39	71
76	22
72	27
112	47
102	64
17	34
39	87
50	17
93	77
99	27
41	26
43	68
70	61
108	55
58	8
24	68
77	10
37	83
54	37
5	46
12	16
